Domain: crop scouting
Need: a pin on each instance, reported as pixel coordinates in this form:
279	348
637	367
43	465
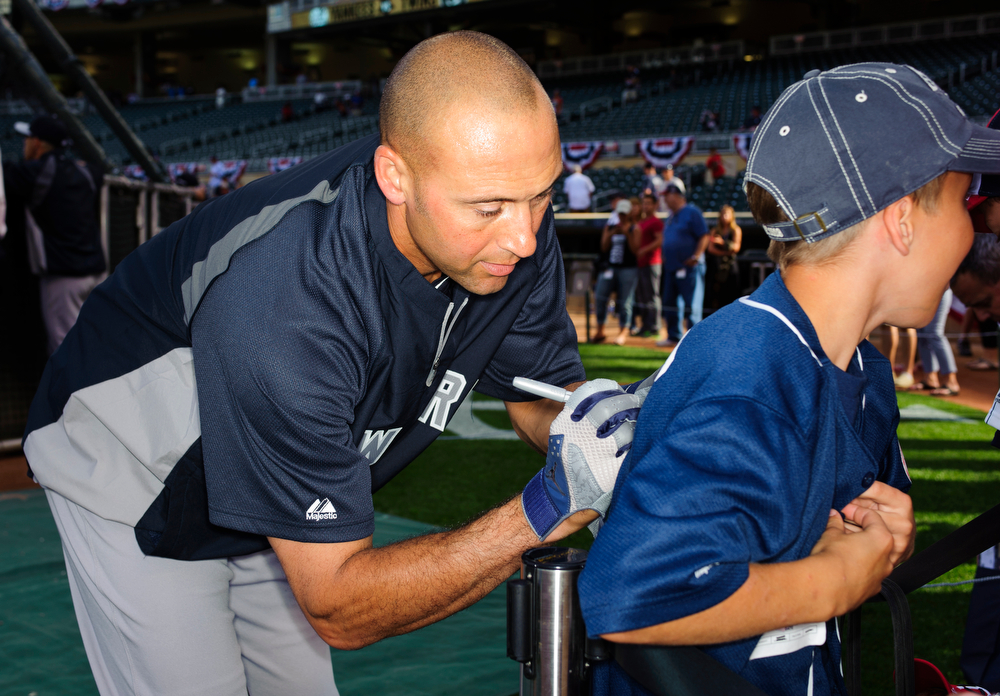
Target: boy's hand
896	510
858	561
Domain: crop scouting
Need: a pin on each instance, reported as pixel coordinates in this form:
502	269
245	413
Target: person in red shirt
714	165
649	230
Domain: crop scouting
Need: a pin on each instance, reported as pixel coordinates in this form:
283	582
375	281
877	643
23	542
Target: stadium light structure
72	66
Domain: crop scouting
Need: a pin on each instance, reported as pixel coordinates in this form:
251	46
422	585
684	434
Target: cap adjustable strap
805	227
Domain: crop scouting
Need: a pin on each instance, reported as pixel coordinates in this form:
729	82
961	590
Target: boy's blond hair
767	212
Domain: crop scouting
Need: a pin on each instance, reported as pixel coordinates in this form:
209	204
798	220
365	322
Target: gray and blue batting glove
642	387
588	441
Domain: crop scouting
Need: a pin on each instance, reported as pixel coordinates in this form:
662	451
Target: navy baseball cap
842	144
47	128
985	185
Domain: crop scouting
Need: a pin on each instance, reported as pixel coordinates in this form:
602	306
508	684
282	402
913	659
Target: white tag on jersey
993	417
681	273
782	641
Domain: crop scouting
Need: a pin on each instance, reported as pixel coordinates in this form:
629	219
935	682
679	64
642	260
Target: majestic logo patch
374	443
438	411
321	510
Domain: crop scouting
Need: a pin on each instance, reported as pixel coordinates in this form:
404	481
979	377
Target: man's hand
588	441
896	510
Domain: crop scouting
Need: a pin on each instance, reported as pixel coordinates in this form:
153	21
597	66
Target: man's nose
518	232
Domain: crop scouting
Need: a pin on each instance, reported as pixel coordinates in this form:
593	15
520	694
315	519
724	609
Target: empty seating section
669	103
628	181
732	91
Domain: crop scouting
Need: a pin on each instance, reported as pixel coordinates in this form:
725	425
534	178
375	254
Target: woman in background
723	270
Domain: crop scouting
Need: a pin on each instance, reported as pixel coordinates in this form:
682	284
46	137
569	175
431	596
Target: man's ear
392	174
898	220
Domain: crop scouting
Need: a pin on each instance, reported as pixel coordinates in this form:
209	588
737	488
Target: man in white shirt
579	188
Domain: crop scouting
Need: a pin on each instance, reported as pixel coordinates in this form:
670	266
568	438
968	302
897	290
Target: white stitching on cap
836	154
908	99
778	195
847	146
768	119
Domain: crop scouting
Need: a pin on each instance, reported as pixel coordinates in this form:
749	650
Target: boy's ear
898	220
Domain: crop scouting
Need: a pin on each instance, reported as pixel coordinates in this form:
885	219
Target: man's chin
483	285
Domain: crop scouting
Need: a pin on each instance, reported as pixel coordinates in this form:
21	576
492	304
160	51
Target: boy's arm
843	570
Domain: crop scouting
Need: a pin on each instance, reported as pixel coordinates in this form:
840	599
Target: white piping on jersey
861	364
811	665
670	360
789	324
443	337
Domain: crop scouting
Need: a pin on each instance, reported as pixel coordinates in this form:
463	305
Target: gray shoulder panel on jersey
217	261
116	441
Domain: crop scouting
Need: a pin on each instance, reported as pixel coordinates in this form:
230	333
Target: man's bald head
462	68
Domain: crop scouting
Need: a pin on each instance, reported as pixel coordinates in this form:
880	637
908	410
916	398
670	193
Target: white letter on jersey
448	393
374	443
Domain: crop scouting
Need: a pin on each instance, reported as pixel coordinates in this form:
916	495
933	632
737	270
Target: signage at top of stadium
311	14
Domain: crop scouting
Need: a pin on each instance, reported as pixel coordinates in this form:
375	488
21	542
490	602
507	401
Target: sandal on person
944	391
921	386
981	365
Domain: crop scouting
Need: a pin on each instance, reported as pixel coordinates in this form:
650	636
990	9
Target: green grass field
954	470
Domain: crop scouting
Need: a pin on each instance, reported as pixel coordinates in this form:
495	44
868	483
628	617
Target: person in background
936	355
714	165
649	233
753	120
60	198
723	271
579	188
685	238
903	380
621	274
557	104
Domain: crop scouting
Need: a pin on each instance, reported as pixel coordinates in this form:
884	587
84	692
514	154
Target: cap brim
928	678
981	154
22	128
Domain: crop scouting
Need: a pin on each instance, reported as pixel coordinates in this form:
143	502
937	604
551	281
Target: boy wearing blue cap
765	491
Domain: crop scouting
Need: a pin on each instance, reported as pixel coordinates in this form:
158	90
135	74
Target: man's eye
488	213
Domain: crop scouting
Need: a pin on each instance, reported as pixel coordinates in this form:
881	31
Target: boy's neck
839	305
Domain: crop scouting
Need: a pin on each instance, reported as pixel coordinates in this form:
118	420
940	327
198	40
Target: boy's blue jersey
260	367
742	449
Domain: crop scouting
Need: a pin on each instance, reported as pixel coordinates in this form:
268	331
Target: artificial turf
953	467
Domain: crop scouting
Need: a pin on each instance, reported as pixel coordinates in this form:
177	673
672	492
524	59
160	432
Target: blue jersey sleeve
710	494
542	342
280	367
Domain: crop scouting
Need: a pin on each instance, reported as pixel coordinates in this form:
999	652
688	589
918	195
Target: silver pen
546	391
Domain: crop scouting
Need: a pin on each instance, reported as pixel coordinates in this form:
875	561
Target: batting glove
642	387
588	441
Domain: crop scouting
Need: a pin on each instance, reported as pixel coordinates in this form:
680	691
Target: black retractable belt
680	671
937	559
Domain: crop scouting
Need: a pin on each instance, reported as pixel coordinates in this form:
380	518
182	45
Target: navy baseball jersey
260	367
746	441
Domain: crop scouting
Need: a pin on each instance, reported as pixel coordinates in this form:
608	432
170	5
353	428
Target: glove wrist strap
540	511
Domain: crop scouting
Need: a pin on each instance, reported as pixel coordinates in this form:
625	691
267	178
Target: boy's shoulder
761	348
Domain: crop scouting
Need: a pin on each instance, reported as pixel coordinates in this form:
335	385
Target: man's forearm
377	593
